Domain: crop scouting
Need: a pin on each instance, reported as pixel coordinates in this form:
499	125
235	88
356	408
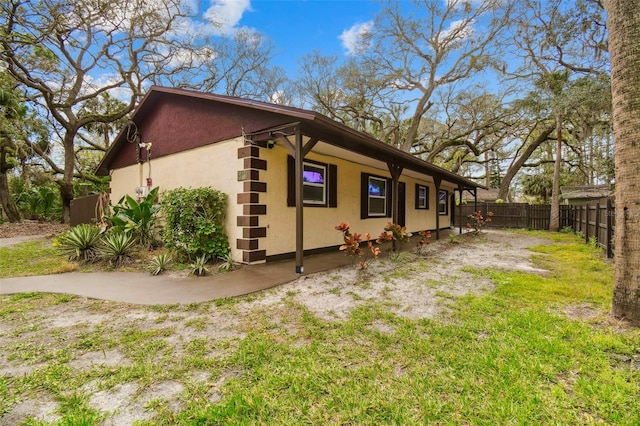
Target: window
443	202
422	197
319	184
377	196
314	187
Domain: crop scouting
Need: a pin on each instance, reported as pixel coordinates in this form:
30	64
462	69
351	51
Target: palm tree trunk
624	46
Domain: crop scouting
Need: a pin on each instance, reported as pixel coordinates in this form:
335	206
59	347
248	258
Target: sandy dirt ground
14	233
420	288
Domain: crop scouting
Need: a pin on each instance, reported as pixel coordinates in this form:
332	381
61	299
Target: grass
32	258
512	356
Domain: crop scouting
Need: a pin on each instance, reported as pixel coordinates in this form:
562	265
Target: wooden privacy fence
83	210
594	221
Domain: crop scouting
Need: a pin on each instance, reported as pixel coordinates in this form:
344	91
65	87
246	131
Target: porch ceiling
337	152
339	141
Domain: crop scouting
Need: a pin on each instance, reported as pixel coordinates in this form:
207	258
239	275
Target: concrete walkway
145	289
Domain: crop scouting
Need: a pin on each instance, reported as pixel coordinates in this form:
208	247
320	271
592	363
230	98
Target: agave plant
116	248
199	267
159	263
80	242
227	263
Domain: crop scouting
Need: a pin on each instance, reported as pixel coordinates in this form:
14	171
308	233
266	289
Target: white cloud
458	30
455	4
357	38
195	57
224	15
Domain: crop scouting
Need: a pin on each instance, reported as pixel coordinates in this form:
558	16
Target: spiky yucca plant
199	268
159	263
227	263
79	243
116	248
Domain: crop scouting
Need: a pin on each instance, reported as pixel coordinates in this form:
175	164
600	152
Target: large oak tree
67	54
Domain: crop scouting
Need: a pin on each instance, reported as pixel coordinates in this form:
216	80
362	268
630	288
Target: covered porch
321	135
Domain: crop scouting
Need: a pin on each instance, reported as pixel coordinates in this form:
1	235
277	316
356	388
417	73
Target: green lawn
32	258
535	350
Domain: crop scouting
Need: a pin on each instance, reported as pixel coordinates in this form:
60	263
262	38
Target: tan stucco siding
319	222
217	165
213	165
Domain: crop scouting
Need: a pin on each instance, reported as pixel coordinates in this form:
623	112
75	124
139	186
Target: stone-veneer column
251	209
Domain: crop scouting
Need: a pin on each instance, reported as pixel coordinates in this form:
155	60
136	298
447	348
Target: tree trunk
624	46
487	171
66	185
505	183
554	220
8	206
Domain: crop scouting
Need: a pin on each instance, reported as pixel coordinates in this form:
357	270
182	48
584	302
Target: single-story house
291	175
481	195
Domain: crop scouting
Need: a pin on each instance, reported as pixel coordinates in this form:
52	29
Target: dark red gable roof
175	120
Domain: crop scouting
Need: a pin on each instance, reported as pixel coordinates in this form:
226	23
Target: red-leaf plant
395	233
425	240
476	221
352	248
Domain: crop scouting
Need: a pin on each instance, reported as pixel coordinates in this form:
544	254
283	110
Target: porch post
437	181
395	172
460	209
299	168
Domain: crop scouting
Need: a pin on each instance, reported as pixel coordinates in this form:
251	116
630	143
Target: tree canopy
496	90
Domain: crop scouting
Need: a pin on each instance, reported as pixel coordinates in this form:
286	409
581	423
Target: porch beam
309	146
287	144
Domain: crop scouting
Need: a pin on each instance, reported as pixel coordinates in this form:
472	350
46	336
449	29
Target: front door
402	204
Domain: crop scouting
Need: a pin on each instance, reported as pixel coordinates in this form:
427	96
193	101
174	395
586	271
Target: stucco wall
216	165
319	222
213	165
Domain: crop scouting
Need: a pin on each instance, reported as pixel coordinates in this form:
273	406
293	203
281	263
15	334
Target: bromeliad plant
137	218
352	247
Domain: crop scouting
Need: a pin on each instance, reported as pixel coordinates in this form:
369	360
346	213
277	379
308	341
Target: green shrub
40	202
80	242
116	247
194	222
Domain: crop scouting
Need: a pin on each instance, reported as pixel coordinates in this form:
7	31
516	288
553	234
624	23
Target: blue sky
297	27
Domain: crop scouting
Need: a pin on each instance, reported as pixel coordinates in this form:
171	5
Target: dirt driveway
415	286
